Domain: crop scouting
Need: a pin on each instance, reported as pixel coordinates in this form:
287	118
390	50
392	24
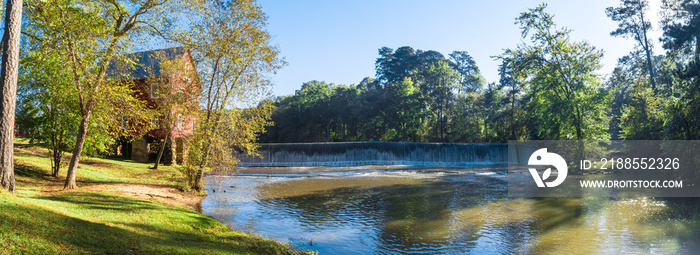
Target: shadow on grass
102	201
206	231
101	164
124	160
31	172
130	169
26	145
43	231
31	177
37	230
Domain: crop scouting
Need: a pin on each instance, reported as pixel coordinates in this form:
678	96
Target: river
402	210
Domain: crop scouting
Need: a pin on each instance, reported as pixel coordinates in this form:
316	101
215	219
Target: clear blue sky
337	41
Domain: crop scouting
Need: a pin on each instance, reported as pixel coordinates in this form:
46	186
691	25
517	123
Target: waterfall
377	153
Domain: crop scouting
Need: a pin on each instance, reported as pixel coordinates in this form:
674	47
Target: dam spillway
377	153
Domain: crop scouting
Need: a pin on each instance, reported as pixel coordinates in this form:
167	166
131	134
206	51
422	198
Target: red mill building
144	76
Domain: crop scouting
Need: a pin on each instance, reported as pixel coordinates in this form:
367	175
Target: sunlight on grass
37	222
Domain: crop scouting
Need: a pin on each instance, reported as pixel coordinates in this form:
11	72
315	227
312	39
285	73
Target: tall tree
8	77
438	84
465	65
47	101
234	57
681	25
405	113
631	15
512	82
313	98
643	117
620	83
467	118
567	97
344	105
393	66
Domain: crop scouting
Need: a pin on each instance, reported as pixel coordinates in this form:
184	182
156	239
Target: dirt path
162	193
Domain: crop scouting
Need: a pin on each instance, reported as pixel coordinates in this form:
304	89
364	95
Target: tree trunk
198	184
8	76
160	152
647	49
75	159
56	152
652	73
56	157
199	180
512	118
328	131
579	124
697	48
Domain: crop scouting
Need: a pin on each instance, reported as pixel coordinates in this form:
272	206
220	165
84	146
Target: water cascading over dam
377	153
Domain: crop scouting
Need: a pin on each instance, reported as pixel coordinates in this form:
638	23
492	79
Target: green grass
33	221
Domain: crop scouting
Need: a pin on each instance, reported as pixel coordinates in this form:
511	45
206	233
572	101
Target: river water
443	211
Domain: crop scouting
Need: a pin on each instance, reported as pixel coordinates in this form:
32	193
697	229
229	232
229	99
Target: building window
123	122
179	121
154	89
155	122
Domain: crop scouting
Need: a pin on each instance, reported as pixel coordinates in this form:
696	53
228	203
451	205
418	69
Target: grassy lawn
41	219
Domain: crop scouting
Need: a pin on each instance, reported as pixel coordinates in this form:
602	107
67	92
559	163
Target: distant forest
548	90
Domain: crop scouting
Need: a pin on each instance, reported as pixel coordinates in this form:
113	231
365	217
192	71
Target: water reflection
444	212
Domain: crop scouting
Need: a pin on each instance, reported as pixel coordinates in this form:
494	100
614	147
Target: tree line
548	89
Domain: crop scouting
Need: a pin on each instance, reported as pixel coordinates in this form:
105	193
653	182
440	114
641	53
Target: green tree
479	117
567	97
471	79
234	57
681	37
313	100
318	112
668	80
492	110
511	81
393	66
343	106
633	22
680	24
467	117
643	118
438	83
406	112
621	84
48	109
411	100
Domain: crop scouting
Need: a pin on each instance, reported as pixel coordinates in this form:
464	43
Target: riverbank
121	207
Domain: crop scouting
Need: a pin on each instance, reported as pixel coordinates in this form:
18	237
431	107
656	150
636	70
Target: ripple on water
427	212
